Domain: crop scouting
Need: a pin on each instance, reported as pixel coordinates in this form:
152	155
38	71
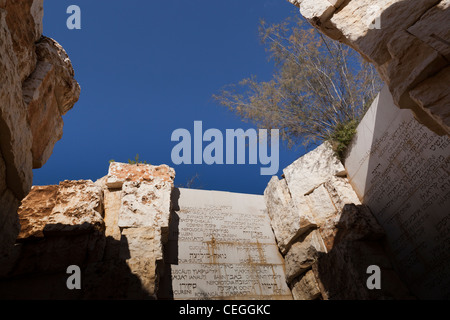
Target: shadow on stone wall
342	272
399	168
37	269
165	290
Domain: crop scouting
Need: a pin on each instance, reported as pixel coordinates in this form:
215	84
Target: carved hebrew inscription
401	170
222	247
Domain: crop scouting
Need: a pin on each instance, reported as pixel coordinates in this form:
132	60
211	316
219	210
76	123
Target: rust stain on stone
212	250
262	257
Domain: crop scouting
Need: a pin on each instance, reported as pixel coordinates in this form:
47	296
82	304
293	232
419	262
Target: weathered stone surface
119	173
78	208
312	194
321	9
15	137
49	92
71	207
432	93
60	226
322	205
349	261
313	169
140	250
35	210
399	169
112	208
429	28
137	211
145	204
410	45
24	22
412	62
341	192
327	203
358	223
221	246
30	95
77	223
347	239
66	90
68	220
112	203
45	120
303	254
288	222
306	287
9	223
340	273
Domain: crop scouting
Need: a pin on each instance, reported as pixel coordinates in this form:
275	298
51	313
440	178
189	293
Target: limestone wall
388	207
113	229
221	246
37	88
327	237
135	237
407	41
400	169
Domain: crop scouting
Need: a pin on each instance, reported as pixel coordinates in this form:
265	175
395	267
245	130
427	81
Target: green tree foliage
319	86
342	136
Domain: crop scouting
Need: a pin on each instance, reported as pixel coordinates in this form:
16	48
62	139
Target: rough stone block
119	173
310	171
306	287
288	221
303	254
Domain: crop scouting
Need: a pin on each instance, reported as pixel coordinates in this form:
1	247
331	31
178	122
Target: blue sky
147	68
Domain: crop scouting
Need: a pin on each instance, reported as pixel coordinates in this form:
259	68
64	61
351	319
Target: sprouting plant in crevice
342	136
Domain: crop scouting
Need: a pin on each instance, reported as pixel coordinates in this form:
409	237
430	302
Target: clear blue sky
147	68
